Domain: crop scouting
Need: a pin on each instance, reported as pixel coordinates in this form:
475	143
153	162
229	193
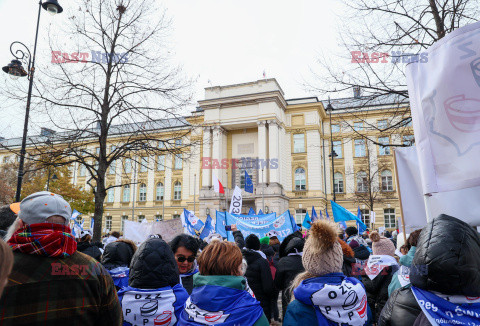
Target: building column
274	151
218	155
262	149
206	157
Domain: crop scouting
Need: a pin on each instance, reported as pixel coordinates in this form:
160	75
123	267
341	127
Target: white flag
236	204
445	103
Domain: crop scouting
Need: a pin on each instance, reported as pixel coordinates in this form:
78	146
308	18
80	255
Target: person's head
274	241
382	245
7	216
265	241
118	253
85	236
185	249
220	258
115	234
6	257
388	234
351	230
404	250
252	242
413	238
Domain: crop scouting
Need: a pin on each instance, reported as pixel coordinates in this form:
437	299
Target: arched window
142	192
387	181
126	193
159	192
177	191
338	182
300	179
362	182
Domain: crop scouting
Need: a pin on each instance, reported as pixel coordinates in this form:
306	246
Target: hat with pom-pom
322	253
382	245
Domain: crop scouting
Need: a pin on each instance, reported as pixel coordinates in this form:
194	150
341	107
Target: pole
163	202
263	193
48	180
399	196
134	182
331	153
27	112
194	191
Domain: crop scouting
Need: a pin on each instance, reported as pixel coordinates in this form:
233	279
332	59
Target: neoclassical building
283	144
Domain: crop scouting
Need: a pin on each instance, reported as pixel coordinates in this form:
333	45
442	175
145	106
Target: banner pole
399	196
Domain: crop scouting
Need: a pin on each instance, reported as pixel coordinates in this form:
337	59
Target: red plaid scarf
44	239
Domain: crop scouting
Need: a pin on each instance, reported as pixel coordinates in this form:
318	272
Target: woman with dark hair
84	245
220	294
116	259
153	295
185	248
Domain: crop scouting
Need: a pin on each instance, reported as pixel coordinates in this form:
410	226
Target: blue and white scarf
120	276
152	307
448	310
213	305
337	299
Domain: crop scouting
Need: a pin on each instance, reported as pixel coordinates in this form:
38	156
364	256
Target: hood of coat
116	254
447	258
294	245
251	256
361	252
153	266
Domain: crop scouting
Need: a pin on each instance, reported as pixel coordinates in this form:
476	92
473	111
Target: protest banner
139	232
236	204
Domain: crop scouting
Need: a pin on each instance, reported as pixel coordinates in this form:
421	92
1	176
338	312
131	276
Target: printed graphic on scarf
148	308
204	317
442	312
376	263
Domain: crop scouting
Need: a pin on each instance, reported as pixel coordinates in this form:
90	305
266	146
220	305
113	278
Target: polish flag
217	185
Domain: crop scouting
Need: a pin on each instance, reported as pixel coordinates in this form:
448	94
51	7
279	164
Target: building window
387	182
83	170
175	216
177	191
362	182
300	215
178	161
112	167
300	179
366	217
335	128
382	124
408	140
108	223
337	147
110	195
140	218
159	191
338	182
124	218
126	193
178	142
389	217
128	165
161	163
142	192
360	148
383	149
358	126
299	143
158	218
161	144
144	164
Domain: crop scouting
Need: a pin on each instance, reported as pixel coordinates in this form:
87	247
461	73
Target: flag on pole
307	222
260	212
251	211
208	228
321	216
75	214
326	213
191	222
248	183
217	185
343	225
360	228
314	214
342	214
92	223
236	204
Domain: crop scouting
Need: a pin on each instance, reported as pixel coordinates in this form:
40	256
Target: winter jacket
153	274
287	269
239	239
186	279
74	290
116	259
259	278
89	249
405	260
401	309
377	290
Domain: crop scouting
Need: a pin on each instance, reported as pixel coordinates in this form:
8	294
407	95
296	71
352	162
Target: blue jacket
406	261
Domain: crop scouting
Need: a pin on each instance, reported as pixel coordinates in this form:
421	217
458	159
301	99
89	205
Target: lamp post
15	69
54	177
332	153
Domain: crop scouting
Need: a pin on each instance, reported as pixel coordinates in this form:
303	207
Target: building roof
366	101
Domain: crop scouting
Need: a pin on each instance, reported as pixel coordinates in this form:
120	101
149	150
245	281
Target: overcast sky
221	41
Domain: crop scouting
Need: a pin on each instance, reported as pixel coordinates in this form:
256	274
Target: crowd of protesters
329	276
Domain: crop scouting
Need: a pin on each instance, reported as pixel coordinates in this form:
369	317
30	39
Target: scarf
212	305
448	310
377	263
44	239
337	299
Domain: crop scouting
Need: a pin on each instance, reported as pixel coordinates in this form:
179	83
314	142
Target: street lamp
53	178
15	70
332	153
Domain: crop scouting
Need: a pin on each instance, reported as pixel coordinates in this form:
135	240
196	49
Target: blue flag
208	228
75	214
260	212
360	228
191	222
343	225
294	223
92	223
220	222
314	214
326	213
321	216
307	222
342	214
251	212
248	183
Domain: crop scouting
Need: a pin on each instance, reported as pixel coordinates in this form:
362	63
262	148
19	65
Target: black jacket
89	249
361	252
259	278
238	238
377	291
447	259
287	269
401	309
153	266
117	254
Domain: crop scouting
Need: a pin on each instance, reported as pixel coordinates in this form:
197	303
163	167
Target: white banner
139	232
445	103
236	204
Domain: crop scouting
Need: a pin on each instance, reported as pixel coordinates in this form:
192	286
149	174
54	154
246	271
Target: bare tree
378	38
111	92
